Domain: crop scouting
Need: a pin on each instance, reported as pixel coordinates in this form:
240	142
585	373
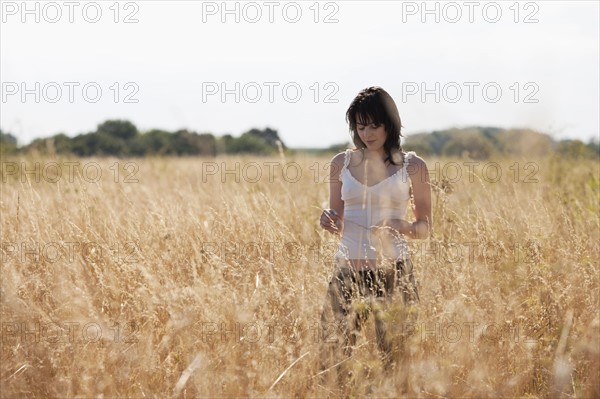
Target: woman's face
372	134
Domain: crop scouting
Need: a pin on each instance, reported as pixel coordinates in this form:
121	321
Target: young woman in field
370	189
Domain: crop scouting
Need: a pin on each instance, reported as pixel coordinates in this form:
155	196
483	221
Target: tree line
121	138
488	142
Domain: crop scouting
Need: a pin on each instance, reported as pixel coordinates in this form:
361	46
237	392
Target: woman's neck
371	155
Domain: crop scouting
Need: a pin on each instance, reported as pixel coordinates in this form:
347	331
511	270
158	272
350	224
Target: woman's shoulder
337	164
340	157
415	165
413	158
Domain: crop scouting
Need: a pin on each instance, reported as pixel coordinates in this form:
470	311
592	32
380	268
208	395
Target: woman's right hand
331	221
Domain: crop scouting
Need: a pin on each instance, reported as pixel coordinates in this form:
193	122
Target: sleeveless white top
365	206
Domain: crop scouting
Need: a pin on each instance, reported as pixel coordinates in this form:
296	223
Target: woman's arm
419	176
329	221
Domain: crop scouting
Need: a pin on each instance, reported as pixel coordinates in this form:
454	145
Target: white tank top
365	206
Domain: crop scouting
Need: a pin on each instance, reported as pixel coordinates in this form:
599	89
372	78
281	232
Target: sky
227	67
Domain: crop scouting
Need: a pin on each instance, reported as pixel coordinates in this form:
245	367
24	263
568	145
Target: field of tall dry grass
206	278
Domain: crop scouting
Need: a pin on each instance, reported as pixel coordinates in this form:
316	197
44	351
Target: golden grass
117	288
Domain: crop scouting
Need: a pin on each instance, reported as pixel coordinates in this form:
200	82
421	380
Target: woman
370	189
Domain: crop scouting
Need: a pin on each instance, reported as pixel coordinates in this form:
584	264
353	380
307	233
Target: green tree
121	129
8	143
224	143
269	136
99	144
428	143
190	143
574	149
250	143
154	142
472	144
594	146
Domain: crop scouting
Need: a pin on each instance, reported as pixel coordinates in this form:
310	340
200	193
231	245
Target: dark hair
375	105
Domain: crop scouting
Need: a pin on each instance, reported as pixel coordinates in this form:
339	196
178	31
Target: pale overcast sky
295	66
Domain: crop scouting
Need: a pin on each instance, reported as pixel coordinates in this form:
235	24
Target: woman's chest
391	191
373	175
